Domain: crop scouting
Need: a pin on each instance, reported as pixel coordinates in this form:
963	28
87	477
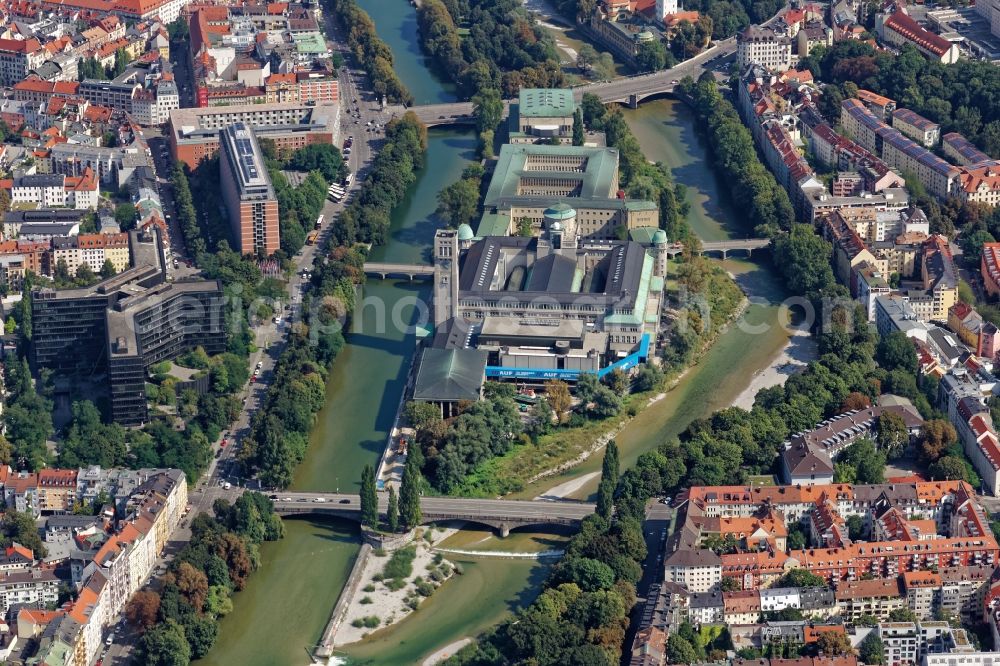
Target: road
270	336
442	508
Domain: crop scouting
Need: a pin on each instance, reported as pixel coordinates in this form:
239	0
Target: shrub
378	578
366	600
379	552
425	589
369	588
413	603
395	583
400	565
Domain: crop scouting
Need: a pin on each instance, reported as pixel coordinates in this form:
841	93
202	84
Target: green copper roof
660	236
464	232
643	235
560	211
546	103
493	224
450	374
596	179
639	204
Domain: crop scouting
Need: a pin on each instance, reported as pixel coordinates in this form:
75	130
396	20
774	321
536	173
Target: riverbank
379	600
793	357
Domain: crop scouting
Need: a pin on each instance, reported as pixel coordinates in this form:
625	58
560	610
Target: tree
557	393
164	645
680	651
730	584
947	468
855	400
872	650
392	511
201	633
936	436
892	435
902	615
578	127
142	609
586	56
652	56
487	108
896	352
609	481
833	643
855	528
589	574
802	578
409	495
369	498
193	585
108	269
125	216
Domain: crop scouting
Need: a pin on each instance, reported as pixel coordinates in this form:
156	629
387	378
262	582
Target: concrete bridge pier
633	101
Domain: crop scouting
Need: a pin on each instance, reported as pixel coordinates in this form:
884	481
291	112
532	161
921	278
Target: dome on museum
465	232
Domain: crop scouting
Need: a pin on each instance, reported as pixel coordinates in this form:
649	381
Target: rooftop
546	103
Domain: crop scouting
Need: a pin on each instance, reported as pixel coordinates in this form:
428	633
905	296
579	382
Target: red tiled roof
911	30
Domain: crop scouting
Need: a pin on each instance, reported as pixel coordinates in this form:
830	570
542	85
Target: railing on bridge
409	271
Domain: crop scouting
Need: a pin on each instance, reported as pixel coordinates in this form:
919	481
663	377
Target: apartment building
763	46
194	133
91	250
246	189
989	268
915	126
36	588
962	151
898	151
18	57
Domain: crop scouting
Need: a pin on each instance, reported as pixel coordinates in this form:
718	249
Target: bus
311	238
349	179
319	221
335	193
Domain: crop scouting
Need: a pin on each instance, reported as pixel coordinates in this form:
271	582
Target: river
287	602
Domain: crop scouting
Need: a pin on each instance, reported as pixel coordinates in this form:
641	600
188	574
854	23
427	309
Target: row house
928	498
876	597
34	89
55	190
92	250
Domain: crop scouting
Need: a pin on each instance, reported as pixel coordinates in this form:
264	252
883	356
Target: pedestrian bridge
385	270
502	515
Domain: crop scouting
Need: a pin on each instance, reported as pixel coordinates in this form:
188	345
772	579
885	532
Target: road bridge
502	515
725	247
630	91
384	270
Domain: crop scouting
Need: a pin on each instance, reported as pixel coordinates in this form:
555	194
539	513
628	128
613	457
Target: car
227	485
218	454
223	443
260	364
256	372
272	497
344	501
319	500
277	319
253	378
110	640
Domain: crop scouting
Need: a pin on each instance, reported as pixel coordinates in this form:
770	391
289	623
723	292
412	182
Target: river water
282	612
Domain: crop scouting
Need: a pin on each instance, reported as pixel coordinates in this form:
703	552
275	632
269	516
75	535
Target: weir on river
281	614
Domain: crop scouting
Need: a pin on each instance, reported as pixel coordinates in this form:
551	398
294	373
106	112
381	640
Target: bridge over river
384	270
502	515
630	90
